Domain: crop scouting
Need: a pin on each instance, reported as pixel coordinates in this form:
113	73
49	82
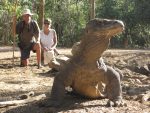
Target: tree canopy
69	18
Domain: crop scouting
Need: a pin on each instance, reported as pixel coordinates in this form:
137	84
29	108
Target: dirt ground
15	80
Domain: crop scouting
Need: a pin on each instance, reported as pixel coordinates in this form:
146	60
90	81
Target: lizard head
96	37
106	27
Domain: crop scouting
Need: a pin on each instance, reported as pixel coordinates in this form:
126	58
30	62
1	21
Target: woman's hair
47	21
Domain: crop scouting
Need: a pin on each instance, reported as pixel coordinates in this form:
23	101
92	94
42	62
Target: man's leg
24	63
24	57
37	48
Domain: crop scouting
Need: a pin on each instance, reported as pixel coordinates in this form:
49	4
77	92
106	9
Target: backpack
21	24
20	28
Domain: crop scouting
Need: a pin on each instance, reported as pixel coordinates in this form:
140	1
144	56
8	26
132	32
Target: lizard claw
116	103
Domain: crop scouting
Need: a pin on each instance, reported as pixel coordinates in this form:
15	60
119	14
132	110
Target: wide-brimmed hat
27	11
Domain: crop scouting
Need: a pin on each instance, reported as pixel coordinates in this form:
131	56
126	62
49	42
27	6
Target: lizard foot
116	103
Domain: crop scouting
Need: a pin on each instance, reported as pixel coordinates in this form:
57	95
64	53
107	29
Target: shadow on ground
70	103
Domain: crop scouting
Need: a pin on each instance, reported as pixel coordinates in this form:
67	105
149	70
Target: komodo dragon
86	72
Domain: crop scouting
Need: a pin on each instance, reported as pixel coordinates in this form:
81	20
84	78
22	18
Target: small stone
125	104
131	91
138	81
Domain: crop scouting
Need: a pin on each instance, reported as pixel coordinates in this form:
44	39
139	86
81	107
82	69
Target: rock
145	97
138	81
132	91
148	65
141	69
144	70
26	96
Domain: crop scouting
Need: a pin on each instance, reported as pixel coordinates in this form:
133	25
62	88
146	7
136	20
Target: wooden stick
17	102
14	29
14	34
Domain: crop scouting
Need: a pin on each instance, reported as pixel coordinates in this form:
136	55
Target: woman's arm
55	40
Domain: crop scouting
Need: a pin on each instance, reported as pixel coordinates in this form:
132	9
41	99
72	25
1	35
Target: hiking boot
22	65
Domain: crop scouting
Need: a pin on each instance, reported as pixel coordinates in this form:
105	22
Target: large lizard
85	72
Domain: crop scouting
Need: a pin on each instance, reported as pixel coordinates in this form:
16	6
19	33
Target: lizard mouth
115	28
106	28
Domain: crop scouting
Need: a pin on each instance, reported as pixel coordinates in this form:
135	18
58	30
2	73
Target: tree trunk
41	13
92	9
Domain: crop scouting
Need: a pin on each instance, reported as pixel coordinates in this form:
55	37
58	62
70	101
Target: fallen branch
17	102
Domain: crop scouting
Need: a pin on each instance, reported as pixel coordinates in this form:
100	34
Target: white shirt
47	40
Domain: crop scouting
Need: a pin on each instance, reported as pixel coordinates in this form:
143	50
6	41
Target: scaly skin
86	72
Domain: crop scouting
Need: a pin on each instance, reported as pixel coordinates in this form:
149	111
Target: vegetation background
70	17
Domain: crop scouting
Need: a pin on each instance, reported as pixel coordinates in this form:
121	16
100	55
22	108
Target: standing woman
48	41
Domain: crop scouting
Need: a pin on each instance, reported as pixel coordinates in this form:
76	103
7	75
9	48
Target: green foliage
6	13
142	9
135	15
69	18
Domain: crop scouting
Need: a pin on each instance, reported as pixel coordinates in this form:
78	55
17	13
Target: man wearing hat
29	38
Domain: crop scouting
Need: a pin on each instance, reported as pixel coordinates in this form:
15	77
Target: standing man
29	38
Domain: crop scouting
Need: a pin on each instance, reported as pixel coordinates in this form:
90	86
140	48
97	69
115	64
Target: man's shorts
25	51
